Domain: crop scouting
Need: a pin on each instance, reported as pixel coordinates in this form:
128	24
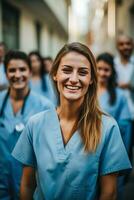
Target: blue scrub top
11	169
120	111
68	172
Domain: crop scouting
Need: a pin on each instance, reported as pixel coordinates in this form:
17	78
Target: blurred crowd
32	71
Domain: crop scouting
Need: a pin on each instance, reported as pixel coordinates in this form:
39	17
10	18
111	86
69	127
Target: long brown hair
90	117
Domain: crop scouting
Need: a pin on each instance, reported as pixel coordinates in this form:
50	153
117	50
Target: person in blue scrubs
76	151
113	101
40	81
17	105
111	98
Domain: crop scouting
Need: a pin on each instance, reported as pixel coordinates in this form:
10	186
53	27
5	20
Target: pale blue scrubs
10	168
67	172
47	91
120	111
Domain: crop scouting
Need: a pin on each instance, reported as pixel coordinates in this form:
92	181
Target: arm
28	183
108	187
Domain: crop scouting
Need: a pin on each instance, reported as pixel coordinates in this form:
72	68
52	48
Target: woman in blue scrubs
40	81
75	152
17	105
113	101
111	98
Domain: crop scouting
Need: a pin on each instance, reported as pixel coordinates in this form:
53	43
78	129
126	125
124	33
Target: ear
55	78
91	82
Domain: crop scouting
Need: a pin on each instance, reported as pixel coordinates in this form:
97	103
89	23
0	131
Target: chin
72	98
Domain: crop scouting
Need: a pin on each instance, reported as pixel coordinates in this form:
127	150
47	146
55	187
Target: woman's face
104	72
73	77
35	63
18	74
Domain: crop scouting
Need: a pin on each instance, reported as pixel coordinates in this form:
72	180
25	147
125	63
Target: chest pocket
82	171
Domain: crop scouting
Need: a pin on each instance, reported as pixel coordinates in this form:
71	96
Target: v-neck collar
64	150
10	112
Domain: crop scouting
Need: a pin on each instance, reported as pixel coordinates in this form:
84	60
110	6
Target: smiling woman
73	77
16	106
68	149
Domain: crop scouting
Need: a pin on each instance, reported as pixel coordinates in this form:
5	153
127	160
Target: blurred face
125	46
48	65
104	72
18	74
35	63
73	77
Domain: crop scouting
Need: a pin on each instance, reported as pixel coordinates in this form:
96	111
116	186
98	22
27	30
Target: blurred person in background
48	62
17	105
113	101
72	152
111	98
3	79
40	82
124	66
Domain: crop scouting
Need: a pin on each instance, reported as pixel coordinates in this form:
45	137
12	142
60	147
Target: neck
35	74
124	60
101	88
18	94
69	110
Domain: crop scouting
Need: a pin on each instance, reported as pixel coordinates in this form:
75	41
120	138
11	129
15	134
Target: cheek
109	74
9	76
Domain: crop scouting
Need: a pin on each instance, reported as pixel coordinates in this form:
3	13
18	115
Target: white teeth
72	87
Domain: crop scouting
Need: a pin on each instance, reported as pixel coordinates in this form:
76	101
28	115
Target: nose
17	73
101	72
74	78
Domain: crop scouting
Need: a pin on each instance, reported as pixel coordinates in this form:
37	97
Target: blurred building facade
108	19
34	24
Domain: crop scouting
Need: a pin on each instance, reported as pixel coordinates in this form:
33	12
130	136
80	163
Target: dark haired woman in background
112	99
17	105
40	82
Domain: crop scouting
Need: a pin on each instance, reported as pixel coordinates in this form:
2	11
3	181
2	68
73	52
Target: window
10	26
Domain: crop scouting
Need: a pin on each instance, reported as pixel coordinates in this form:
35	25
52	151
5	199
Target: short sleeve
113	157
23	151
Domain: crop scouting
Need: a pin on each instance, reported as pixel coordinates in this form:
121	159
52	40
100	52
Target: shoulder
120	94
108	125
40	100
108	121
2	96
116	59
39	120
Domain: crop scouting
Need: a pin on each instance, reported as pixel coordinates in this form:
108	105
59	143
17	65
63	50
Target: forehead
124	39
34	57
73	58
17	63
103	64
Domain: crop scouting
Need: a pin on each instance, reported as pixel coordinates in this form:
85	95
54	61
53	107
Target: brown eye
66	70
22	69
11	70
83	72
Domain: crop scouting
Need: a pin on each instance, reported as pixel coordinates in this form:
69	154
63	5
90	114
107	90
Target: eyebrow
69	66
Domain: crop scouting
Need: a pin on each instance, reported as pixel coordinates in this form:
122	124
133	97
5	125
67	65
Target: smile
70	87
